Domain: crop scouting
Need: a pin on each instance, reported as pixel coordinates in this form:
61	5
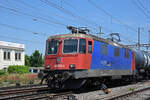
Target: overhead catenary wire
70	5
35	8
112	17
14	38
22	29
66	11
103	10
146	10
26	4
102	26
33	17
141	7
39	18
84	18
45	14
39	10
75	16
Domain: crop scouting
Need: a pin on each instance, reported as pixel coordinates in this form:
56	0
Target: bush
19	69
3	72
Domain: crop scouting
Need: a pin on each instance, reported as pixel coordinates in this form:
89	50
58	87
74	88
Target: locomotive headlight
48	66
72	66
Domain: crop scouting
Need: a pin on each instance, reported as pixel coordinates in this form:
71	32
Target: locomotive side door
89	49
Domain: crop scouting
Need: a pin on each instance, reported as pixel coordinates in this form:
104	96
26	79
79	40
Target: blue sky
31	21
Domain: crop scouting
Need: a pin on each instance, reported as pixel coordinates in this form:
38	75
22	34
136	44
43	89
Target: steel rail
36	94
123	96
18	87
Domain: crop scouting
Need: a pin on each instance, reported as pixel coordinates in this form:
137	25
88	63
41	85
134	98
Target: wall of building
12	48
12	61
1	58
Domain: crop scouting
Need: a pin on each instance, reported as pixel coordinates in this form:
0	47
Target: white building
11	54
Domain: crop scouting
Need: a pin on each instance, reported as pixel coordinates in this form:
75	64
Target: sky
31	22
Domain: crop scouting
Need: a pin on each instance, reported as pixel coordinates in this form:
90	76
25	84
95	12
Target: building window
89	46
17	56
82	46
126	54
6	55
104	50
117	52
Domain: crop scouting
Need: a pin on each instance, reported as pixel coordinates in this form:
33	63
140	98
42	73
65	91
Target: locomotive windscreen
53	47
70	46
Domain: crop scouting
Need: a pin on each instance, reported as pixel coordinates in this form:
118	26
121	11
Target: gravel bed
100	95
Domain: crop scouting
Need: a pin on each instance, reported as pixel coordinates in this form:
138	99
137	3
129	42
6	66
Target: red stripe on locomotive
133	61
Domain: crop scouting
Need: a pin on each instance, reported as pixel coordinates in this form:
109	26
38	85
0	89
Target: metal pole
149	37
100	31
138	37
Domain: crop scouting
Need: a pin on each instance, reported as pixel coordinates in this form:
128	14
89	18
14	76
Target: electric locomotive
77	59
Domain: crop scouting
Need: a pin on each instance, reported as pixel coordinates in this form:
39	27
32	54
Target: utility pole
147	45
100	31
138	37
149	37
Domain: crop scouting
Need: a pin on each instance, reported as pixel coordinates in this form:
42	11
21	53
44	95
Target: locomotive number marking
59	65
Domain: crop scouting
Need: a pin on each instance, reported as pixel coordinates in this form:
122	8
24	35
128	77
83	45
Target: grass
23	79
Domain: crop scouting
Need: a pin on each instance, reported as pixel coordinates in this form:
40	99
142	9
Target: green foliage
3	72
36	59
19	69
27	60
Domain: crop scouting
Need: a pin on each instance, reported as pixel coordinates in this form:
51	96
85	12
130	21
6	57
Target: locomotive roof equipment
82	30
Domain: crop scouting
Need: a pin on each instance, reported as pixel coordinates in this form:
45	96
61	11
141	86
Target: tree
36	59
27	60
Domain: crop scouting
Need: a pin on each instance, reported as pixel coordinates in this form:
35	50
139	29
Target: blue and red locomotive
77	59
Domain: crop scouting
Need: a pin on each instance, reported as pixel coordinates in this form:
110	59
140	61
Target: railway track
140	91
139	94
33	92
115	92
19	87
18	90
34	95
12	92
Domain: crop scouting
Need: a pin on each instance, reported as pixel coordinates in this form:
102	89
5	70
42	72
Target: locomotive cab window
70	46
103	49
117	52
89	46
53	46
82	46
126	53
